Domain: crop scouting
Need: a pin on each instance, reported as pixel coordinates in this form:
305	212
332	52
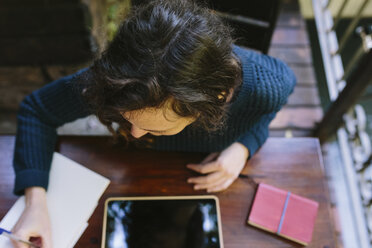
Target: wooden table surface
292	164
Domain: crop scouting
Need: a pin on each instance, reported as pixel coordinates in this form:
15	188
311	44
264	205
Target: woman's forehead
150	117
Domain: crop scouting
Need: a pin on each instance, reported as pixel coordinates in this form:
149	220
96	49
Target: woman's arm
221	169
40	114
277	82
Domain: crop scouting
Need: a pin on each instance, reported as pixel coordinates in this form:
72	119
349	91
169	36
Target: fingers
199	167
210	157
21	235
39	241
221	168
42	241
19	244
34	225
221	187
26	237
211	178
217	179
204	168
210	185
214	182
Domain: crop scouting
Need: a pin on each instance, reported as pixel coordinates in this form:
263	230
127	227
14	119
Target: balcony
328	45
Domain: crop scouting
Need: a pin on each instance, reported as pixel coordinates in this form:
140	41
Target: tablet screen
162	223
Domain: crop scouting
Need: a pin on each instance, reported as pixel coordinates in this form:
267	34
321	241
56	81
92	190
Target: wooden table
292	164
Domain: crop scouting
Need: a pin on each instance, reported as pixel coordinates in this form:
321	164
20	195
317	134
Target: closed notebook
286	214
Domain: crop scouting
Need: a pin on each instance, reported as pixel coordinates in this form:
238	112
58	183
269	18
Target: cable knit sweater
267	83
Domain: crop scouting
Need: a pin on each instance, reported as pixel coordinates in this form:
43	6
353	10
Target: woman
172	78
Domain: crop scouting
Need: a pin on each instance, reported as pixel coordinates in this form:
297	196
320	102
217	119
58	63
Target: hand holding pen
34	223
9	235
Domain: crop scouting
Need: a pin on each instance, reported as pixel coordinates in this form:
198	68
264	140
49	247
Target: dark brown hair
164	51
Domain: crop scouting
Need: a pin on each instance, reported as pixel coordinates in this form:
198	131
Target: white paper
72	196
78	235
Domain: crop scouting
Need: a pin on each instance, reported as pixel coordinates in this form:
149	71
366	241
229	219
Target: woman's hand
34	223
221	168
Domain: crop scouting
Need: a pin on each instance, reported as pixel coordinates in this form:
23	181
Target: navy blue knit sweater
267	83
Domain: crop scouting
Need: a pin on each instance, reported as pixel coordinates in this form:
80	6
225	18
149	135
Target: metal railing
345	117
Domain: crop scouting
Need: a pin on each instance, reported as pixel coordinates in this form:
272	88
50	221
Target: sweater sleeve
256	136
40	114
271	92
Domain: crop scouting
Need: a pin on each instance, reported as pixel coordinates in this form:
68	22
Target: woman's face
156	121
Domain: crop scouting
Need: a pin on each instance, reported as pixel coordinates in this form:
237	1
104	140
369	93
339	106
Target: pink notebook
286	214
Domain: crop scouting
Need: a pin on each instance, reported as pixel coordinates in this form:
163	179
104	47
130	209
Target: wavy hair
165	50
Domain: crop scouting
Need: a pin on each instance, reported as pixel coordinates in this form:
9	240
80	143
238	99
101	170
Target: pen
11	236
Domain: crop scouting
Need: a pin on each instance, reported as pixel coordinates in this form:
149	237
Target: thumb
210	157
17	244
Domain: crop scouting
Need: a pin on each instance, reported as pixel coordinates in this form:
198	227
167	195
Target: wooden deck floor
299	116
291	44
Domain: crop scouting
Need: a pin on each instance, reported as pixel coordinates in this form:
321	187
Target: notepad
72	196
284	213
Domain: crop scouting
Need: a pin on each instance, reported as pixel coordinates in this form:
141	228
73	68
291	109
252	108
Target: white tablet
162	222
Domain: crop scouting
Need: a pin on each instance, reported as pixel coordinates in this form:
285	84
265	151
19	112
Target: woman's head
169	56
156	121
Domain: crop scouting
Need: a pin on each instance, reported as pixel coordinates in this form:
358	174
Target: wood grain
292	55
290	19
298	118
304	96
284	36
291	164
305	75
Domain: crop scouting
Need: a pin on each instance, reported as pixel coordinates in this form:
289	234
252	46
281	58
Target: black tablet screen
190	223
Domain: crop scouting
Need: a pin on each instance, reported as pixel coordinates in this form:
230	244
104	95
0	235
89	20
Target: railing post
358	81
347	34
